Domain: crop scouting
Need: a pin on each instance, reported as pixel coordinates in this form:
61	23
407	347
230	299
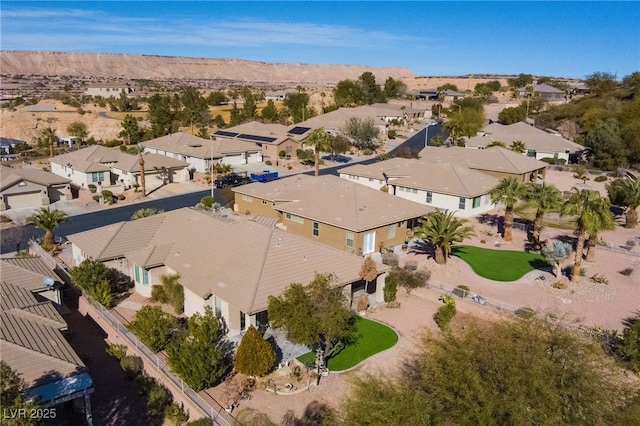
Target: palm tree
319	139
603	220
591	210
508	191
626	192
47	220
145	212
518	146
50	138
545	198
443	229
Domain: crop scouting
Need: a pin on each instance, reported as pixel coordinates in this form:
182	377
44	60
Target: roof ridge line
38	353
264	262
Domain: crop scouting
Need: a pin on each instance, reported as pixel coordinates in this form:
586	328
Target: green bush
268	163
102	294
117	351
175	413
367	151
282	154
96	198
391	134
525	313
445	314
461	291
132	366
390	288
158	294
601	179
207	200
549	160
112	143
201	422
108	196
92	187
156	396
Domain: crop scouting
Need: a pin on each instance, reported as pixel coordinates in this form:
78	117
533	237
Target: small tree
557	253
172	291
363	133
368	271
410	278
445	314
197	355
153	327
390	288
630	345
13	397
254	356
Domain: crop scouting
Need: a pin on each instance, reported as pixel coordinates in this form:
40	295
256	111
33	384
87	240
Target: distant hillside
101	66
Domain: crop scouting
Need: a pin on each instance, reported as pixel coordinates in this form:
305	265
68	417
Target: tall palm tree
508	192
320	140
443	229
50	138
626	192
602	220
47	220
545	198
591	210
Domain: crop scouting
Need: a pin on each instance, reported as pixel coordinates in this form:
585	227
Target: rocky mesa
127	66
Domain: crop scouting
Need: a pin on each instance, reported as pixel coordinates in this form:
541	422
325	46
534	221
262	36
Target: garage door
17	201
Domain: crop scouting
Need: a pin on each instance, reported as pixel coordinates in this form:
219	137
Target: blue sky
569	39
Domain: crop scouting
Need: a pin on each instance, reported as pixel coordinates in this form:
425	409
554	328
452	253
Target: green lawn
371	338
499	265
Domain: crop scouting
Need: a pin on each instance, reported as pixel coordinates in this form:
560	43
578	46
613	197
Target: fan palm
518	146
442	230
320	140
47	220
591	211
545	198
50	138
508	191
626	192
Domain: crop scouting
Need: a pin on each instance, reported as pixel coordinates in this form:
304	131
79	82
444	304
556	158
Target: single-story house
33	345
108	90
275	96
453	95
201	153
231	264
271	138
333	211
334	121
495	161
115	170
545	91
442	186
29	187
538	143
35	275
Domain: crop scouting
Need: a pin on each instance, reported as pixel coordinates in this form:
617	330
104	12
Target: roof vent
49	282
194	145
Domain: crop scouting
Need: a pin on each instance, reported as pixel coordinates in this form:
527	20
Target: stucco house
546	92
271	138
35	275
201	153
231	264
108	90
381	114
539	144
30	187
332	211
115	170
32	342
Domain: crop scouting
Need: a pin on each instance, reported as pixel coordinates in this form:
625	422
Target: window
218	304
247	198
391	231
413	190
316	229
287	149
145	277
555	155
531	153
429	197
294	218
137	271
97	177
476	202
462	203
243	321
349	239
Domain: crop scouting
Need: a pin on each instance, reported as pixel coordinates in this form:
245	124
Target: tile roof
496	159
194	146
11	176
242	261
98	158
451	179
30	338
336	119
532	137
27	273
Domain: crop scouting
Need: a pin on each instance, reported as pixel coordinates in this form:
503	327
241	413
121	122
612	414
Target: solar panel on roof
299	130
256	138
227	134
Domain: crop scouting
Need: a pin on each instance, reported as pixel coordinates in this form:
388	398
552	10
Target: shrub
549	160
560	285
112	143
255	356
158	294
207	200
102	294
601	179
367	151
461	291
445	314
117	351
525	313
599	279
410	278
268	163
201	422
390	259
626	272
391	134
108	196
92	187
483	241
156	396
362	303
282	154
175	413
97	198
390	288
132	366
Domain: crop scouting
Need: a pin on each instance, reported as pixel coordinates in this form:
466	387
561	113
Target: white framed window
316	229
294	218
391	231
476	202
349	238
247	198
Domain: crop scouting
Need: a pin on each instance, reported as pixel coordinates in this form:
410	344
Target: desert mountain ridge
108	66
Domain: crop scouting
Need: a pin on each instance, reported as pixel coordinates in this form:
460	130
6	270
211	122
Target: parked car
232	179
337	158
